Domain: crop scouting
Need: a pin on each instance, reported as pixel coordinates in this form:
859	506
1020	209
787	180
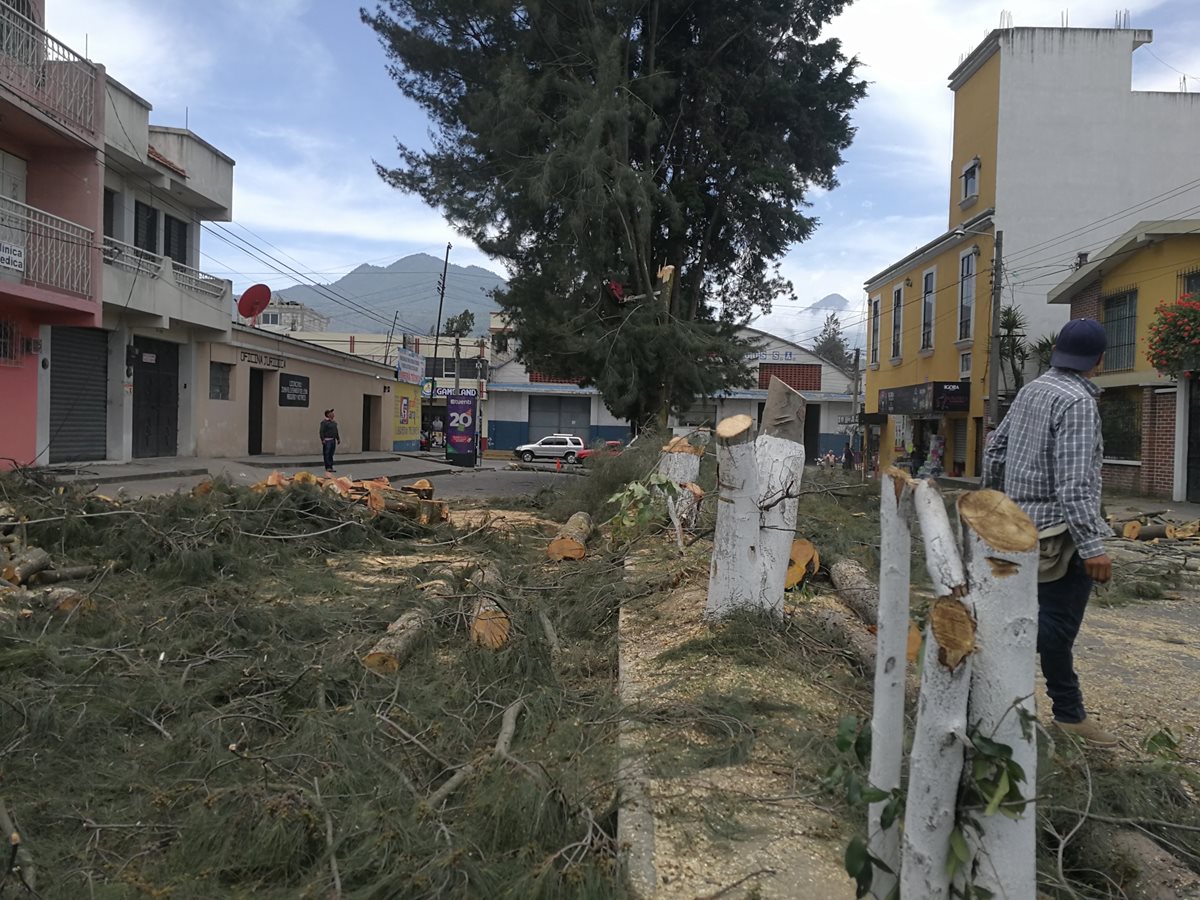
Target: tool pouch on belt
1055	549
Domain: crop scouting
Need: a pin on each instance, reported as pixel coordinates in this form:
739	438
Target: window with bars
220	376
875	330
175	239
10	343
145	227
897	320
1121	423
966	294
1191	284
1120	327
927	309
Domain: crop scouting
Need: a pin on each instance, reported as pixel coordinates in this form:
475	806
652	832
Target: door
812	433
254	426
1193	443
78	394
155	398
370	421
560	415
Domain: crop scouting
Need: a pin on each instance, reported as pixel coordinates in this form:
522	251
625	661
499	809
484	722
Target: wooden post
887	719
1002	561
935	764
733	573
779	465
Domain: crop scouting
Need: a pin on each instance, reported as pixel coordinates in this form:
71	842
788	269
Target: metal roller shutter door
78	394
960	441
560	415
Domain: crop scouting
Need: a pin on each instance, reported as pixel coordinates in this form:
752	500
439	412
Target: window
110	213
268	318
927	304
1121	423
219	377
1120	327
964	364
1191	284
897	319
970	180
175	239
875	331
966	294
145	227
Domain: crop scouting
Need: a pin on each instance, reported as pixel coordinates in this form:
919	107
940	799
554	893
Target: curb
78	477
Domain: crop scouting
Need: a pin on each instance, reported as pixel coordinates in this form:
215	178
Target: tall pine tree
831	343
592	144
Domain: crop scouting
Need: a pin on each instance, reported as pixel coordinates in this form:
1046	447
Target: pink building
51	205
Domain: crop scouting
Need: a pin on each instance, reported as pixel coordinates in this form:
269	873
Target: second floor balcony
158	285
46	73
40	249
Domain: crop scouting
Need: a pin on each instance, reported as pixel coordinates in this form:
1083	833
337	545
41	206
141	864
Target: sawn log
393	649
572	538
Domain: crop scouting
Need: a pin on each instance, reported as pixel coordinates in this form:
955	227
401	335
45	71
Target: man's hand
1099	568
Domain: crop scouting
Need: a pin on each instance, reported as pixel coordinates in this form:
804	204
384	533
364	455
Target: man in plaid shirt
1046	456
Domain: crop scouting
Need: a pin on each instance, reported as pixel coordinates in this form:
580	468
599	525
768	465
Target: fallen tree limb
27	564
69	573
23	860
393	649
1157	875
508	729
490	624
856	588
572	538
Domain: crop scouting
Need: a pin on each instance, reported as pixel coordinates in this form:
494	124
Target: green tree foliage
584	143
1014	351
460	325
831	344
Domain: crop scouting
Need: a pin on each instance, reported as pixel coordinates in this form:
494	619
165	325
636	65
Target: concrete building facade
1052	147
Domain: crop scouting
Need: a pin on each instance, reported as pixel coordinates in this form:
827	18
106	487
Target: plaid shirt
1046	456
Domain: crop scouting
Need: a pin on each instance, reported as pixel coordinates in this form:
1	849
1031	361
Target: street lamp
993	402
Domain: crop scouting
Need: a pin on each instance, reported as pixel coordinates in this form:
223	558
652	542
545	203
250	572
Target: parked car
566	447
608	448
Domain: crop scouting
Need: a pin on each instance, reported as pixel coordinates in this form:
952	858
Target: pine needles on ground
209	731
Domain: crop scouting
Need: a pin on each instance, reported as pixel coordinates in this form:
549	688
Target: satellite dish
253	301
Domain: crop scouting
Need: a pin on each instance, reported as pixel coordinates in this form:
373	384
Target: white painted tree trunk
780	468
942	557
935	766
1002	561
733	573
887	720
680	462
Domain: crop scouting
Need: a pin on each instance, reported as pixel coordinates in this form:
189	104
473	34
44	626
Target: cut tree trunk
936	758
779	461
59	600
733	573
490	625
1135	531
69	573
680	462
855	586
888	606
943	559
803	561
1001	548
1157	875
422	487
30	562
572	538
393	649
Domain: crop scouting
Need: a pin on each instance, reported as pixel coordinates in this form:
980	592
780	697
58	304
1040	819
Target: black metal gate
78	394
254	428
1193	443
155	398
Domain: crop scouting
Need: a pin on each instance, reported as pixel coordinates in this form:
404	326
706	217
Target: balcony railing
46	72
144	264
47	251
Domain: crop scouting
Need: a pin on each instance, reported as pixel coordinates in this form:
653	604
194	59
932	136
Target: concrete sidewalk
164	475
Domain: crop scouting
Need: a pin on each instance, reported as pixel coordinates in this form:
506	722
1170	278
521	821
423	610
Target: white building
287	316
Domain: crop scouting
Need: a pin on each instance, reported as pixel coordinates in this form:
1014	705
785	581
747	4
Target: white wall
1076	145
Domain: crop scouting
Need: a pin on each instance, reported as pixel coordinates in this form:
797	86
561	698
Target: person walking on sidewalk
1046	456
329	439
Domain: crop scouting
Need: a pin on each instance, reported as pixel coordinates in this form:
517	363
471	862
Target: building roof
297	345
986	48
1141	235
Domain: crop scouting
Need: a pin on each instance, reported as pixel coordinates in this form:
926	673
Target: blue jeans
327	447
1061	605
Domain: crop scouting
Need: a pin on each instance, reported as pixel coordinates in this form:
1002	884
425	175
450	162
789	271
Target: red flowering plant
1174	344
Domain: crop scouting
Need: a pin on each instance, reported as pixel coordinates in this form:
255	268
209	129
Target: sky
298	93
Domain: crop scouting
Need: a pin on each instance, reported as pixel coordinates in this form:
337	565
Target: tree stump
733	580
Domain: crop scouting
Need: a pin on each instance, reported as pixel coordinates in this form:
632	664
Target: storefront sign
932	397
12	256
293	390
771	356
410	366
263	359
453	391
461	416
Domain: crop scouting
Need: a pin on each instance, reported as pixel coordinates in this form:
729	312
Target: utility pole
856	407
993	403
387	348
437	328
457	361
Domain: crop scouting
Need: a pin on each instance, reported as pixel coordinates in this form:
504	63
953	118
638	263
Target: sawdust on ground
756	828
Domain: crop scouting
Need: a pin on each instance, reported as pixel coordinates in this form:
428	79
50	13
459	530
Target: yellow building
1151	424
1049	151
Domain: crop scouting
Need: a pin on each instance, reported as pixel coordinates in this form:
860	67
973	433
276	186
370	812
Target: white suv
557	446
